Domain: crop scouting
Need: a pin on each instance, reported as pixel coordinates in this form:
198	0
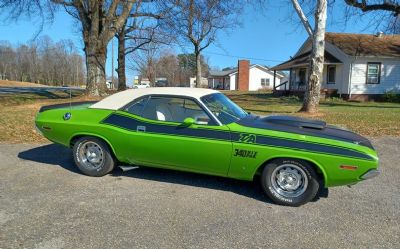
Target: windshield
223	108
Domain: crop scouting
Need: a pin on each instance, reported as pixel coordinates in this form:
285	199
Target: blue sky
266	38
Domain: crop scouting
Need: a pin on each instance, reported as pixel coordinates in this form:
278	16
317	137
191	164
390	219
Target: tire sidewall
309	193
109	161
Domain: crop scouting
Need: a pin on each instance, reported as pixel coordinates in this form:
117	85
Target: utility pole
77	72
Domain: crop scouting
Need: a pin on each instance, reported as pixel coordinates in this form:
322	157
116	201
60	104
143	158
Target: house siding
257	74
232	81
389	78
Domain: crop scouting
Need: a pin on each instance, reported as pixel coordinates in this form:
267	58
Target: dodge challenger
203	131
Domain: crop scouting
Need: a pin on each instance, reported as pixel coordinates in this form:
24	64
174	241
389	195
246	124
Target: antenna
70	98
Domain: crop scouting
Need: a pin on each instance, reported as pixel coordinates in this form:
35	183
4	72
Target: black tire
106	161
307	189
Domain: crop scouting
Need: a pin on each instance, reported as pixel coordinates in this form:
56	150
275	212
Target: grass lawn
366	118
18	112
10	83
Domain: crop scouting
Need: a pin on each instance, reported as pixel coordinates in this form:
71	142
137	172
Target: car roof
120	99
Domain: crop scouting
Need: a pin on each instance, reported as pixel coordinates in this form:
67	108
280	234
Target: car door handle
141	128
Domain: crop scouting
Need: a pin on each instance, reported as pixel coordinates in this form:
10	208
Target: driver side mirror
188	121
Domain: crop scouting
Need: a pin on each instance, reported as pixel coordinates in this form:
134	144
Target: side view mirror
188	121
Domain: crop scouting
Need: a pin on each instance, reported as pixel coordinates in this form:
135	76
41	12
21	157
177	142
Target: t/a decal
247	138
245	153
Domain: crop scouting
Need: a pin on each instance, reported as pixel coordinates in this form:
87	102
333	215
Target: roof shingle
365	44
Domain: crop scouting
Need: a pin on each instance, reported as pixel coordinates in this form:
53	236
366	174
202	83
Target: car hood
309	127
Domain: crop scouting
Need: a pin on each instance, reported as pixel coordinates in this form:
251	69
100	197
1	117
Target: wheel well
316	168
75	138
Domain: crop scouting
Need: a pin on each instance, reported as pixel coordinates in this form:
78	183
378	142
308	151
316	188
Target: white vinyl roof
120	99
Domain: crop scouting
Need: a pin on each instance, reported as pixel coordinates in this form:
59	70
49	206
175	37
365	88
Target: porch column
274	80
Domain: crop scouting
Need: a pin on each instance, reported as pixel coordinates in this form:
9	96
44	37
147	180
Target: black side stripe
131	124
305	146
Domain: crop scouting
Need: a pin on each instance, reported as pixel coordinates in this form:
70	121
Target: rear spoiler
56	106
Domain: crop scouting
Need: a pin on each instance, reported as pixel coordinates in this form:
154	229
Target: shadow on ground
52	154
58	155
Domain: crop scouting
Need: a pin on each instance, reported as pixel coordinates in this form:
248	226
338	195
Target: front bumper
371	174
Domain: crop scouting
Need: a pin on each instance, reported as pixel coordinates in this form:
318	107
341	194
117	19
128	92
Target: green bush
392	96
334	100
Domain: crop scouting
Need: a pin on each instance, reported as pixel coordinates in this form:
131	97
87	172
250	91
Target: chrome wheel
91	155
289	180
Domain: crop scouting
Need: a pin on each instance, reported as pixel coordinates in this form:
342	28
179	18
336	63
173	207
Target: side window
331	75
265	82
173	109
136	107
373	72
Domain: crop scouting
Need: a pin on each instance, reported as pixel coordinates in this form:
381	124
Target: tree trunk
121	60
313	88
198	68
96	73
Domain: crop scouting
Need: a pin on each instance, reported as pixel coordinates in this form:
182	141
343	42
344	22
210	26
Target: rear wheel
93	157
289	182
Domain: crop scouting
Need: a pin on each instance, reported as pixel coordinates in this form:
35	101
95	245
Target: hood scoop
295	122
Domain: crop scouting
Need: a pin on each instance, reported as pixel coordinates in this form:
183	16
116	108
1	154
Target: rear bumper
371	174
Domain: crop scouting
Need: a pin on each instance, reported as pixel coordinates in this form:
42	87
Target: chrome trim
38	130
371	174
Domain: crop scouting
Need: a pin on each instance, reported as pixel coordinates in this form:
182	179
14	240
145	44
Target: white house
357	66
245	77
192	82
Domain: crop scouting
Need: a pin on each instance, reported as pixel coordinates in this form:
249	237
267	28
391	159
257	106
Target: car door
158	136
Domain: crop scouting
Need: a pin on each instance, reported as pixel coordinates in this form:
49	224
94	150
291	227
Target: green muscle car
203	131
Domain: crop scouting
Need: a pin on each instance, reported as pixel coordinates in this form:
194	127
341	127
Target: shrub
392	96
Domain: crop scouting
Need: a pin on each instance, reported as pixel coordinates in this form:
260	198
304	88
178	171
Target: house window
331	75
373	72
265	82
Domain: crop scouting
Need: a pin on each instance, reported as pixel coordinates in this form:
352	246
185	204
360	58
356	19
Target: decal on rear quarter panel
247	138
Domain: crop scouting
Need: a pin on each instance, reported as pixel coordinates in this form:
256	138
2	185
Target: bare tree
99	21
386	13
198	22
139	29
365	5
144	61
42	61
316	66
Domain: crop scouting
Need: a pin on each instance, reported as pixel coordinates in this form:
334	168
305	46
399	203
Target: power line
185	47
241	57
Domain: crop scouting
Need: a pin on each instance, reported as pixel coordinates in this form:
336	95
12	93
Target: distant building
159	81
245	77
109	84
204	82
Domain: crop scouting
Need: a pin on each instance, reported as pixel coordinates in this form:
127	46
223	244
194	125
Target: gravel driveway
46	203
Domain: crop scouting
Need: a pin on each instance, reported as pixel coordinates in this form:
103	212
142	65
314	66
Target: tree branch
303	18
391	6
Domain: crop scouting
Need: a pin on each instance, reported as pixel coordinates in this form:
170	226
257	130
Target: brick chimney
243	75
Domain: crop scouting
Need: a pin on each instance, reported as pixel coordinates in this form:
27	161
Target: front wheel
289	182
93	157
